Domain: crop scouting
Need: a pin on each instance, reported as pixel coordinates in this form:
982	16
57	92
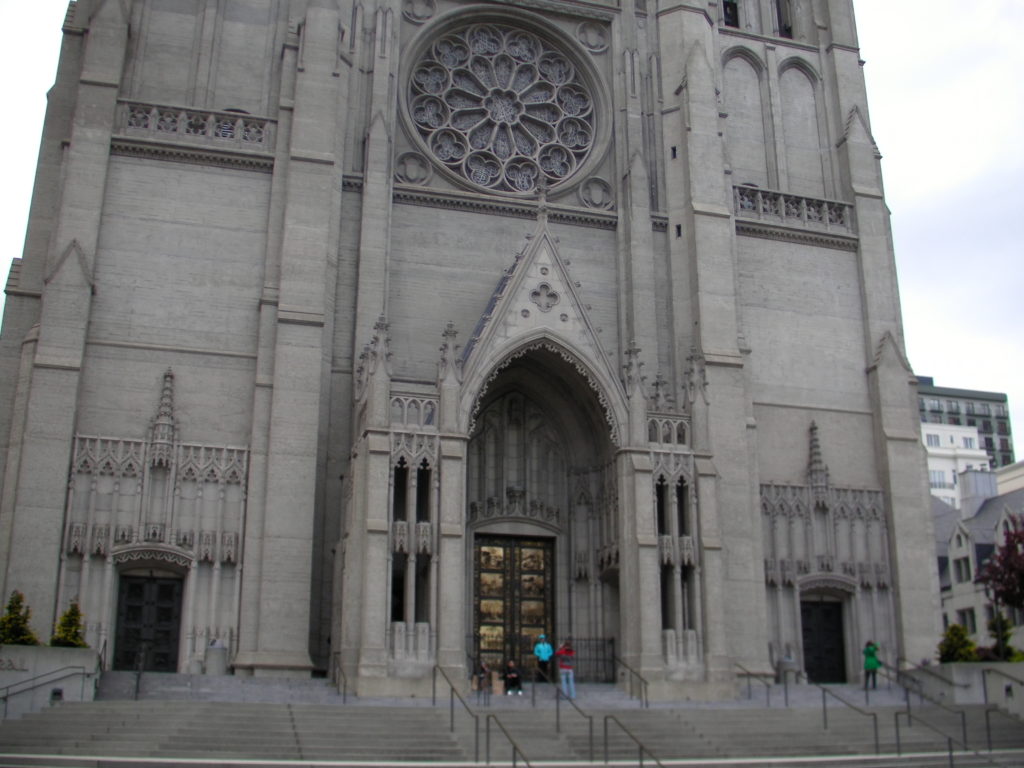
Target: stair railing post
988	728
558	711
824	709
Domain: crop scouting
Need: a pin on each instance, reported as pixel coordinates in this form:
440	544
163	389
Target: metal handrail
515	746
338	673
825	693
451	709
46	678
589	718
640	745
934	702
989	670
763	679
950	741
634	675
929	671
988	724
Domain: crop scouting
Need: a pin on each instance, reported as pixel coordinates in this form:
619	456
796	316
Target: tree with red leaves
1003	572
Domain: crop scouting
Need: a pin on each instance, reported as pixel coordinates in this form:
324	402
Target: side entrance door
148	624
824	659
513	598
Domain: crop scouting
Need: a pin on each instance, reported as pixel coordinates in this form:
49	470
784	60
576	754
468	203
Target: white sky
946	106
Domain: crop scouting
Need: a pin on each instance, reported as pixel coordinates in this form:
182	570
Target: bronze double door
148	624
513	598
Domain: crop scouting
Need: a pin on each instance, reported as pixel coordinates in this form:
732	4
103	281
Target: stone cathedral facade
364	337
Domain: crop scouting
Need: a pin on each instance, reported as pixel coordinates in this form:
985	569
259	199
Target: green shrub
956	645
14	624
69	629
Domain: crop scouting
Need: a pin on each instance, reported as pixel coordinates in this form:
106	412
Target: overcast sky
946	110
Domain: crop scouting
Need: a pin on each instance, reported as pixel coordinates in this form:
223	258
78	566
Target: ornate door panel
148	624
824	660
513	595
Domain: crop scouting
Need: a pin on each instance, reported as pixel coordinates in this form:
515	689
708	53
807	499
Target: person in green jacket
871	664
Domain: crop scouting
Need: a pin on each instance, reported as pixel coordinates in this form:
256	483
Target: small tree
1003	572
69	629
956	645
14	624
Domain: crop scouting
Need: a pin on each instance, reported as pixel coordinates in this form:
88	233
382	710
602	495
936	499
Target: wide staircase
206	722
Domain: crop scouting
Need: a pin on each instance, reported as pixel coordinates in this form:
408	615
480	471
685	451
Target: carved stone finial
817	472
695	378
663	400
163	428
450	363
632	367
376	352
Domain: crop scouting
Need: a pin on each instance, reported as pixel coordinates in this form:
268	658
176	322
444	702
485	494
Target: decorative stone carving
399	536
419	11
76	539
544	297
230	129
596	193
424	538
207	546
687	551
501	108
592	36
100	535
229	548
413	168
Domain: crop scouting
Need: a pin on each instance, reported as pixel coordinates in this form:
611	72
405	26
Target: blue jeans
568	683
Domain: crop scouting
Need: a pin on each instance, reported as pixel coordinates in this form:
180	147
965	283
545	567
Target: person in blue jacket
543	651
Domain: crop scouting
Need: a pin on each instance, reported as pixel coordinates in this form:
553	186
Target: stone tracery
499	107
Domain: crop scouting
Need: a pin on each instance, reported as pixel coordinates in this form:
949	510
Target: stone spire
817	472
164	430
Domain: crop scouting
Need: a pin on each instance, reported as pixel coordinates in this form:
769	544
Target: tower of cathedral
366	337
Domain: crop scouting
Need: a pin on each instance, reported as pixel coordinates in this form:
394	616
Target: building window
962	569
1007	459
937	478
966	619
731	13
932	441
989	445
1000	410
785	18
986	425
1004	444
934	405
954	420
1002	428
984	409
972	422
969	443
969	407
952	406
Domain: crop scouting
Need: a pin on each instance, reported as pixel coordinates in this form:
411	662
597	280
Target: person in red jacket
567	668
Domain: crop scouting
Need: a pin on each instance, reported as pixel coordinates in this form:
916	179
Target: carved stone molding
496	207
143	554
152	150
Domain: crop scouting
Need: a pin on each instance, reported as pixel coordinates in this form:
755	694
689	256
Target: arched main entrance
541	501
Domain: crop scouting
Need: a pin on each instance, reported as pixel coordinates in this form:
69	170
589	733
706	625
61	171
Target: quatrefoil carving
544	297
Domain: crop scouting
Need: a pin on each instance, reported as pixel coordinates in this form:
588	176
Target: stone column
35	506
277	589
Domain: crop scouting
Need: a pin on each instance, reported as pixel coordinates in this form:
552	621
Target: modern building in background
374	336
951	450
988	411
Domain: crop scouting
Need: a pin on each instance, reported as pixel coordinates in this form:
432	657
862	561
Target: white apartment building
951	450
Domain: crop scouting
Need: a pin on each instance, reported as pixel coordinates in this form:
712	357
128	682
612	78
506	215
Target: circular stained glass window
502	108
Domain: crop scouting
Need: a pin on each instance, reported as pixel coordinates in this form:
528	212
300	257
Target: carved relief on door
513	597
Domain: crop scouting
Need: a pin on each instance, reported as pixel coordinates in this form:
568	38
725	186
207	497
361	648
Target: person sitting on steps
513	682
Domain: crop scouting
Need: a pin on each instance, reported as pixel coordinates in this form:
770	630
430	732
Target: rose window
502	108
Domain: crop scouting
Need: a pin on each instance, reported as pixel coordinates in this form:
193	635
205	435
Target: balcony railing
222	130
793	210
